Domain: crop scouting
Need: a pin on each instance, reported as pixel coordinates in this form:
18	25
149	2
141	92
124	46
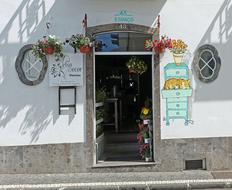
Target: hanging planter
131	71
159	46
49	50
136	65
85	49
80	43
48	46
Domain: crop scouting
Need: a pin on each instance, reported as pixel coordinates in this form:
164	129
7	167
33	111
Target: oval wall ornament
207	63
31	70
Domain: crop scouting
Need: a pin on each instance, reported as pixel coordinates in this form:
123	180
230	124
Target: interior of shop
120	96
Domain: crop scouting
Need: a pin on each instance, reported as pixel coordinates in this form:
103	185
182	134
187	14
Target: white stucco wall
198	23
29	115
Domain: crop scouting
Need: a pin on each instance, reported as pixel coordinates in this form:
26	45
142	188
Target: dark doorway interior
131	91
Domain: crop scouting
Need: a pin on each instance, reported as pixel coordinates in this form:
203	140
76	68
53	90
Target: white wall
29	115
199	22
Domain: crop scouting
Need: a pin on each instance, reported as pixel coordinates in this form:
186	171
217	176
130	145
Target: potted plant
136	65
143	135
48	46
101	94
146	115
178	49
159	46
80	42
145	152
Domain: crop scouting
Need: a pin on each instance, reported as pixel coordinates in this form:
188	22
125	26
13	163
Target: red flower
159	46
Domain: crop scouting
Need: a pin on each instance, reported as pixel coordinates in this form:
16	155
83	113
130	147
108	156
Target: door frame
90	88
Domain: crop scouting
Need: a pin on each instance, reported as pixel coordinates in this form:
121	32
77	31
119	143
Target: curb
175	184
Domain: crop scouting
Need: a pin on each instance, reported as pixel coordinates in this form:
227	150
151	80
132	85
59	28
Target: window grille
207	63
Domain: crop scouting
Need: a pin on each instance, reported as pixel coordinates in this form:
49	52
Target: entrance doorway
121	96
109	45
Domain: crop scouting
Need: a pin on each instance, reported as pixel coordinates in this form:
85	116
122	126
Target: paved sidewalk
163	180
101	177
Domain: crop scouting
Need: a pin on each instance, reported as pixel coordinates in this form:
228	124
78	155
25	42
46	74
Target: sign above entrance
67	71
123	17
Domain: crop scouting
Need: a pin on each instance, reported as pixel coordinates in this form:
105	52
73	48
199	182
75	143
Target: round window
31	70
207	63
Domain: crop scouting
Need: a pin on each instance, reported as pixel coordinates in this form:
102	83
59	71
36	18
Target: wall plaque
67	71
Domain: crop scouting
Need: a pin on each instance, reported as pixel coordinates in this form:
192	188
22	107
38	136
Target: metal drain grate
195	164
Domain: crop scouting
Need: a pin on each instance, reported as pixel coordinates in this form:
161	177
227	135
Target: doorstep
112	164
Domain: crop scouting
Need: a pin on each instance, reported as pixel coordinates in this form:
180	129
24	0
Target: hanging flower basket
136	65
131	71
49	50
80	43
48	46
159	46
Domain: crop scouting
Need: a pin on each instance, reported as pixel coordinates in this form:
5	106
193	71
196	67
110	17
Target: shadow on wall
17	98
30	109
221	29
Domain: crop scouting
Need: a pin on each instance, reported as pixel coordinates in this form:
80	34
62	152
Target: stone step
121	138
122	147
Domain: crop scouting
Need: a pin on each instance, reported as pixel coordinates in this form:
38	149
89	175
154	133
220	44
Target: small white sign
67	71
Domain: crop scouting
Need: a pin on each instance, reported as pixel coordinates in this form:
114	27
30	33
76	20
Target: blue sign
123	17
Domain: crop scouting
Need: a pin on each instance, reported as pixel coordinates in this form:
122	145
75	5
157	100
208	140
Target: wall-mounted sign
123	17
67	71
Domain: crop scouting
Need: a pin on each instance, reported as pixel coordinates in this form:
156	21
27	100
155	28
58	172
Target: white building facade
35	138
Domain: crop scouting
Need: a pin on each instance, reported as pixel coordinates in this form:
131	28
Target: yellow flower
145	111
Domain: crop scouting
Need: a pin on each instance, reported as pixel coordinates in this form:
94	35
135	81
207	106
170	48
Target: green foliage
99	130
79	40
136	65
39	49
101	95
99	114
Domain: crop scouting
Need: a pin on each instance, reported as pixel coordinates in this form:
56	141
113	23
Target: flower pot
131	71
146	121
159	50
49	50
178	58
147	159
85	49
147	140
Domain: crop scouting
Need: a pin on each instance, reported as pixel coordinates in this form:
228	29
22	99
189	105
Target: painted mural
177	89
